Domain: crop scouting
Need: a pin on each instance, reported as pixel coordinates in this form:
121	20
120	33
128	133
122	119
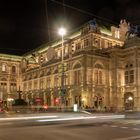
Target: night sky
24	25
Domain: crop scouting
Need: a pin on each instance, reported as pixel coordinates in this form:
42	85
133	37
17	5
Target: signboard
75	108
38	99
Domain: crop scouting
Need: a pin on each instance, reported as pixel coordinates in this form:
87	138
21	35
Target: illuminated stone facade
101	64
10	76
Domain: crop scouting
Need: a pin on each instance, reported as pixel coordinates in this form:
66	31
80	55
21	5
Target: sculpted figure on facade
124	28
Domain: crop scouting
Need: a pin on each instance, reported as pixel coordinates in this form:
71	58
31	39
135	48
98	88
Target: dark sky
24	26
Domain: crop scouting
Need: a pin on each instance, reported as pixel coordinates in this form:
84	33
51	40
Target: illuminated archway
128	101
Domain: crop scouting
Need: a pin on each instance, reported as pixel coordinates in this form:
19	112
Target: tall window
13	87
98	74
65	51
77	77
3	87
78	46
25	87
35	84
117	33
56	81
48	82
89	76
129	74
58	53
4	67
41	84
100	77
30	85
86	42
67	79
13	69
77	74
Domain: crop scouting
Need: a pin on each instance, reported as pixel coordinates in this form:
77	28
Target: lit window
86	42
78	46
59	53
117	33
129	74
66	50
13	69
13	87
126	77
3	67
56	81
41	84
77	77
48	82
98	74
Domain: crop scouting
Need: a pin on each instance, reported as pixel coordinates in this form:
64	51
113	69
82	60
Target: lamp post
62	32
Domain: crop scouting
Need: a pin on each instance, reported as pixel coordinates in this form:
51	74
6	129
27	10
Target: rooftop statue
124	28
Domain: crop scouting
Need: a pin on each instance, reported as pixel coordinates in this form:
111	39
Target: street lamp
62	32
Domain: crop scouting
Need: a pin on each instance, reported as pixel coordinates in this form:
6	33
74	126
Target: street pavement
69	126
90	129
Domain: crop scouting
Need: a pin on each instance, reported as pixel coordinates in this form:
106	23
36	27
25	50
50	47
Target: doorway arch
128	101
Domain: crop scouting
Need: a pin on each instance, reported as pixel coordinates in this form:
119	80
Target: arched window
13	69
129	74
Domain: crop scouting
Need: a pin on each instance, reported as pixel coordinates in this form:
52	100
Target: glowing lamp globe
62	31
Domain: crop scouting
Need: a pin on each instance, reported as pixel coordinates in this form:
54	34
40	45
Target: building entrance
98	101
129	101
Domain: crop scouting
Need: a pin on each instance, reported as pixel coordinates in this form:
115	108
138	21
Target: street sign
38	99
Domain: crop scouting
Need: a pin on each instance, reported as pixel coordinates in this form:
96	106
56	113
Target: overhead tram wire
84	12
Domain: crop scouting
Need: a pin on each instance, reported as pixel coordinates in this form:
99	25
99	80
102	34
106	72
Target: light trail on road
83	118
27	118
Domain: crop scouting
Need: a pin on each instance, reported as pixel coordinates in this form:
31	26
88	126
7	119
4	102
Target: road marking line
24	118
136	128
124	127
66	119
6	123
112	117
105	125
114	126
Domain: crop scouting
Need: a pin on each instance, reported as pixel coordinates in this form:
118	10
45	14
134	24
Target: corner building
101	68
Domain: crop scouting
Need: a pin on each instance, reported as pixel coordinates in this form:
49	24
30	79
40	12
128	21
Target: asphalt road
79	129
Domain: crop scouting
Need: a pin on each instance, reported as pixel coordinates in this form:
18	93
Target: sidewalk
58	114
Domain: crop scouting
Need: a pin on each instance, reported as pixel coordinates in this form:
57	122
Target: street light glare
62	31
